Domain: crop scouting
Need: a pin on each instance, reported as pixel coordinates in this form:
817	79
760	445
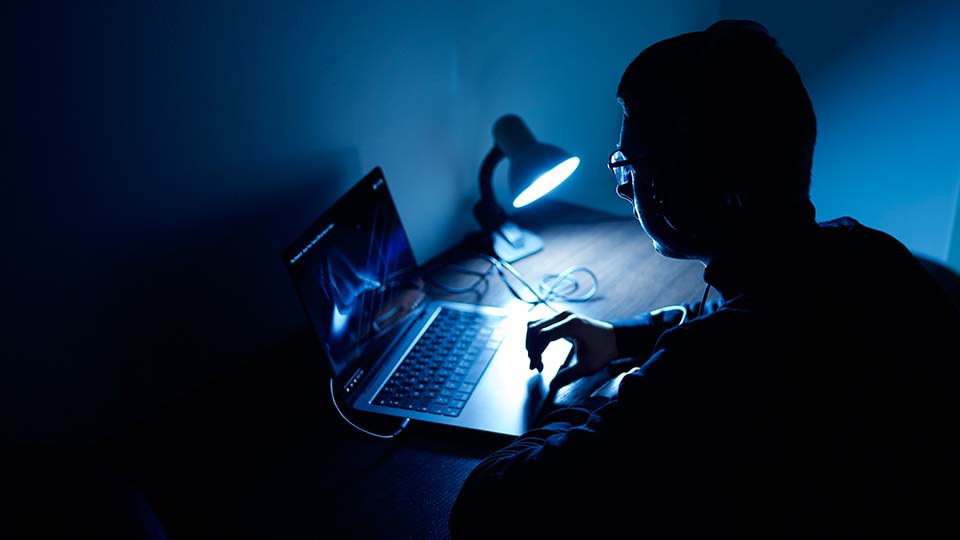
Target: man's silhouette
818	398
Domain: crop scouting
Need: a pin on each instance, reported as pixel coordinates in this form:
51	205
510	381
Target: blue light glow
547	182
338	322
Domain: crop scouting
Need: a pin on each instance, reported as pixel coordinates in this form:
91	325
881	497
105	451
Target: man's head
720	132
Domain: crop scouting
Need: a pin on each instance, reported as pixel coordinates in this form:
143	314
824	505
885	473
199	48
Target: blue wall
168	151
884	79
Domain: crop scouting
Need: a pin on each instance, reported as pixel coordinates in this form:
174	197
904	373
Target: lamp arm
489	214
494	156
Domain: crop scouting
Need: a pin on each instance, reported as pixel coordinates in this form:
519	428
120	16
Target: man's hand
593	341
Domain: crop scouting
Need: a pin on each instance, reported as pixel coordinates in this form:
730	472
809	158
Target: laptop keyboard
441	371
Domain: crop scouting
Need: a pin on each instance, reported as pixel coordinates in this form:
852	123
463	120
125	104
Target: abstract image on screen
359	278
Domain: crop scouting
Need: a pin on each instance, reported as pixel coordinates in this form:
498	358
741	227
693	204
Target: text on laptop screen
356	274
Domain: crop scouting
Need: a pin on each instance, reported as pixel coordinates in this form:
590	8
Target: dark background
164	153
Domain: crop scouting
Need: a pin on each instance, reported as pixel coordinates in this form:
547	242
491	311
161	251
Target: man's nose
625	191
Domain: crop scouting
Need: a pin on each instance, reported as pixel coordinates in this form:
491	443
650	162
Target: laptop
392	349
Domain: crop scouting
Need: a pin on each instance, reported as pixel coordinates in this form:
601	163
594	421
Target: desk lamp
536	169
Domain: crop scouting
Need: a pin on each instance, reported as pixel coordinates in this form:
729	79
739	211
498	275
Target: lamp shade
535	168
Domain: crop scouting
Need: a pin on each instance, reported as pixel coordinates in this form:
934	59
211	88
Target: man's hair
732	103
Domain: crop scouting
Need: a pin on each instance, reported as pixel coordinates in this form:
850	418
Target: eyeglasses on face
621	167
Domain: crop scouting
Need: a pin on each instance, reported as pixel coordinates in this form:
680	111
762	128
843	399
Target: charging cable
703	301
561	286
682	309
403	424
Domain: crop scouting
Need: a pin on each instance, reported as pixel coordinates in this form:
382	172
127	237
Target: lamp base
511	243
508	242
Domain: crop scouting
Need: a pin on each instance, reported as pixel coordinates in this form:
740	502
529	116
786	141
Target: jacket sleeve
637	336
523	489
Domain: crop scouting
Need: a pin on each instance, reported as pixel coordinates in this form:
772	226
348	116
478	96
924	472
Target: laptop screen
356	274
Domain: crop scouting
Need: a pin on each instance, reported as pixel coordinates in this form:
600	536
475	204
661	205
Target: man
818	399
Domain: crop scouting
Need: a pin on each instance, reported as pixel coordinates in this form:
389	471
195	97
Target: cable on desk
560	286
472	288
403	424
563	285
500	265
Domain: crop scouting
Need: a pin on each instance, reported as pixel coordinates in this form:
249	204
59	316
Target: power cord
682	309
561	286
403	424
552	285
703	301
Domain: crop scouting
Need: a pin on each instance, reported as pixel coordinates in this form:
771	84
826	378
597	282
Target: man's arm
599	344
543	482
589	474
636	337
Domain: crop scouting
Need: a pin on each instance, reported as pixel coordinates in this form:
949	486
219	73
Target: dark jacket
819	399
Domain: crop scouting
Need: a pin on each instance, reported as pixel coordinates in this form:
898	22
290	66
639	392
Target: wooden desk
262	453
633	277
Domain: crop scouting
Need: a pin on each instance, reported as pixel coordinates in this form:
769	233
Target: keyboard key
451	411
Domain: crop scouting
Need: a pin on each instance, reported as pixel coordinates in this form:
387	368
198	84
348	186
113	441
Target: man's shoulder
843	222
855	230
851	237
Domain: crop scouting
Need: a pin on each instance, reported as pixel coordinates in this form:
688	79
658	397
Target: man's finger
553	319
533	329
534	340
537	341
567	328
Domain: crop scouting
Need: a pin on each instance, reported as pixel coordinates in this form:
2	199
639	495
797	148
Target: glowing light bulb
547	182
